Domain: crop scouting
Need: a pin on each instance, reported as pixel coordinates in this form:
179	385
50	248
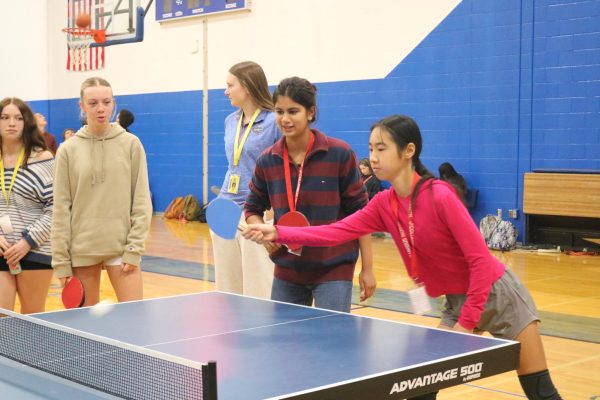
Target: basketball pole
205	111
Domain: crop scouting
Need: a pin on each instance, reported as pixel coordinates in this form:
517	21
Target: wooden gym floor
565	288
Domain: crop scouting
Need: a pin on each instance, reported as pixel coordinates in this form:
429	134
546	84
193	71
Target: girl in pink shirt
441	247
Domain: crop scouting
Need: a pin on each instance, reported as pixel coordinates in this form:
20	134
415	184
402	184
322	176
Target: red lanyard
408	246
292	201
366	180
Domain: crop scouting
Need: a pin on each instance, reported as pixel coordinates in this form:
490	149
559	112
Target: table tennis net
112	367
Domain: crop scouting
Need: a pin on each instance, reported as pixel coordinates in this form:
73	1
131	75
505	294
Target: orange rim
99	35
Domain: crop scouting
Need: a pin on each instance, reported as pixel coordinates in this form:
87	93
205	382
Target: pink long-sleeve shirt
451	255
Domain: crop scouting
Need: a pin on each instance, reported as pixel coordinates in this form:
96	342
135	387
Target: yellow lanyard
12	179
237	146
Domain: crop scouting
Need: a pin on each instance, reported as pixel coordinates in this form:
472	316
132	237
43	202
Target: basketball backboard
122	20
112	22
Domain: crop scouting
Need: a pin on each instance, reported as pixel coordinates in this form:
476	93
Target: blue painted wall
499	88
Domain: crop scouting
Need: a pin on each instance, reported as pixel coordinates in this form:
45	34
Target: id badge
234	183
6	225
15	269
419	300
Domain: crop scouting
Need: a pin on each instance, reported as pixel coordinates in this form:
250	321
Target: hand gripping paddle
223	217
73	294
293	218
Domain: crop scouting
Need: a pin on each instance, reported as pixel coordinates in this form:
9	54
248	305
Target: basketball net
80	55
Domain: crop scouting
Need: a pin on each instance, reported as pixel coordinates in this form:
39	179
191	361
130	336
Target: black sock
539	386
428	396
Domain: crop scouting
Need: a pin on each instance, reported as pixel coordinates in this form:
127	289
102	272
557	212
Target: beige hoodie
102	207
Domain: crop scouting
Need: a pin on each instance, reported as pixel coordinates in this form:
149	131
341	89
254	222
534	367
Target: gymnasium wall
498	87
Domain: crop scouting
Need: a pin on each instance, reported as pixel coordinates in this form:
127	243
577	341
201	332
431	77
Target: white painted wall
333	40
23	49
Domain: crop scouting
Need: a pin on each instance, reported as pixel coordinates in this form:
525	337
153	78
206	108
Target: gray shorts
508	310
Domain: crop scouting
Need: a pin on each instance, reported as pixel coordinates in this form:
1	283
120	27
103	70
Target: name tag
234	183
6	225
419	300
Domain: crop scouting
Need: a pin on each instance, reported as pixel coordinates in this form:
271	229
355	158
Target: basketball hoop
79	41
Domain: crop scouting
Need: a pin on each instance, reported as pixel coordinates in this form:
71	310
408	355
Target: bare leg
90	279
532	358
32	287
533	370
8	290
128	285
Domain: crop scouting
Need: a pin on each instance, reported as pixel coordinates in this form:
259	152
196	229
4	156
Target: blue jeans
333	295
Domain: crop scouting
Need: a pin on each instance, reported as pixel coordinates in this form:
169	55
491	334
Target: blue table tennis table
270	350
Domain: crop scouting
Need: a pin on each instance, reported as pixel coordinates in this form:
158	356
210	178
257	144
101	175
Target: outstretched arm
352	227
260	233
269	245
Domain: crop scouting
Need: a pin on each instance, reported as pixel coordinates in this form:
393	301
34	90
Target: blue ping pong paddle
223	217
73	294
293	218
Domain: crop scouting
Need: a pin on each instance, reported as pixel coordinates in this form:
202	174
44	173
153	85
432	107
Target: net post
209	381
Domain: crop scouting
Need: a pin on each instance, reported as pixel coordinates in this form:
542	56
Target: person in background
102	208
369	179
449	174
242	266
67	134
125	118
441	248
317	175
48	137
26	168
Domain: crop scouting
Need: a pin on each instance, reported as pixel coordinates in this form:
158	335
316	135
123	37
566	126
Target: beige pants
242	266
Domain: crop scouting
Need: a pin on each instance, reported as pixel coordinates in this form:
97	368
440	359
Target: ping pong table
271	350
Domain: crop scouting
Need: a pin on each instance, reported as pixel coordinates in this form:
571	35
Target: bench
562	207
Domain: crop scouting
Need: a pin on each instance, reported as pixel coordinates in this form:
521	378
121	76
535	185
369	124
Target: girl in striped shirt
26	168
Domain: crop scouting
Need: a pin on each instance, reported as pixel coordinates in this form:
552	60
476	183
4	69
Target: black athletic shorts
26	265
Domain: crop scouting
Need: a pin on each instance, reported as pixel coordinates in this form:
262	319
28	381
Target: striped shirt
30	208
331	189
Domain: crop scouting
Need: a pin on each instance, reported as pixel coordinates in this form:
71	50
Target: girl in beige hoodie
102	207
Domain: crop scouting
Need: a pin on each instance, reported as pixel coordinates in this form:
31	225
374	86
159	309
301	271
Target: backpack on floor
175	208
191	208
498	234
202	216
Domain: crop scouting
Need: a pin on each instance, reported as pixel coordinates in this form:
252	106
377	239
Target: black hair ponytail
426	176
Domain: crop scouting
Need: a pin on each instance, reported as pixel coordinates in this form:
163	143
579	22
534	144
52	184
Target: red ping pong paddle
73	294
293	218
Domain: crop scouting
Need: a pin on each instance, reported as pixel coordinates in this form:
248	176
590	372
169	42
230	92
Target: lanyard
367	180
12	179
237	145
408	246
292	201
